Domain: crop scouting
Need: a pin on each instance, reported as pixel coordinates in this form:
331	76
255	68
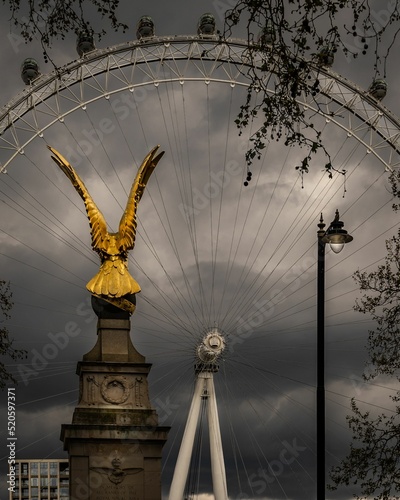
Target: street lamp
336	236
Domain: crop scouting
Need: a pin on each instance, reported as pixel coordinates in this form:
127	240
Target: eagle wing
127	225
133	470
98	226
102	470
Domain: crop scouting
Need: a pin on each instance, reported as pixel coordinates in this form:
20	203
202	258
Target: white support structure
216	450
208	352
185	452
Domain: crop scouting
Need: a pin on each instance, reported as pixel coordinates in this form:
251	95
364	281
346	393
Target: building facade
41	480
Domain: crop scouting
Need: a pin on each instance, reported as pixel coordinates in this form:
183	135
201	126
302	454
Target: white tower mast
208	352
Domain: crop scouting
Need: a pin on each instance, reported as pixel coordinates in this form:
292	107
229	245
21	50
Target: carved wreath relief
114	389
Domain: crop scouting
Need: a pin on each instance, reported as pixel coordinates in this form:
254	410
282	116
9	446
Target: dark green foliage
47	20
373	462
7	351
295	38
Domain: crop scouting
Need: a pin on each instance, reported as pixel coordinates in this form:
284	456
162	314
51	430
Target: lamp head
336	236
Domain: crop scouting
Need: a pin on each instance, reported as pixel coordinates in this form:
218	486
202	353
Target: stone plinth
114	442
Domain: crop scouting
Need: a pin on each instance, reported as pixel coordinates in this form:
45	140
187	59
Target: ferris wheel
211	254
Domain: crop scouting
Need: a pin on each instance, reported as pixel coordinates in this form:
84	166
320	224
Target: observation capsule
145	27
84	43
378	89
29	70
327	55
267	34
206	25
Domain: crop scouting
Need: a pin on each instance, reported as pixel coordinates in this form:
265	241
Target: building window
42	480
53	481
53	468
64	468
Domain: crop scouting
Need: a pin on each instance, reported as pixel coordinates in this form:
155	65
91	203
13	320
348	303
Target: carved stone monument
114	442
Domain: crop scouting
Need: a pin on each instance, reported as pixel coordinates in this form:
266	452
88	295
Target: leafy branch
294	38
48	20
373	461
6	344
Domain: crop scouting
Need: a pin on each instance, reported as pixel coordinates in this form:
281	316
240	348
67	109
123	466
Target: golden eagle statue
113	280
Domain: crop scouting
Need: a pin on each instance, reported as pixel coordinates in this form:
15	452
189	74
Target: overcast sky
245	262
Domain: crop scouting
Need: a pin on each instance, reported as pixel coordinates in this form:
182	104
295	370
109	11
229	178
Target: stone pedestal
114	442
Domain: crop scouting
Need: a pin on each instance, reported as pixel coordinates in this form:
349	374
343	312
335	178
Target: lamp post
336	236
